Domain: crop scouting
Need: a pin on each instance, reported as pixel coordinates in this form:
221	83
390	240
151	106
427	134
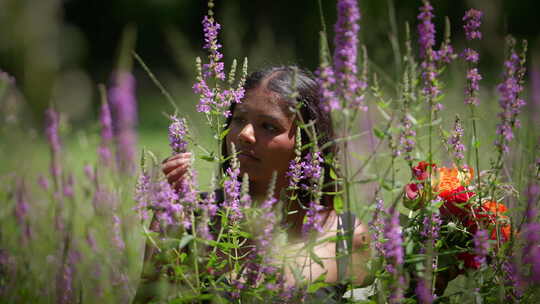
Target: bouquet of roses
455	227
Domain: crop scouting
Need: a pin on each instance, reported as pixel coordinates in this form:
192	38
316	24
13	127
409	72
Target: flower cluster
451	187
473	20
510	100
455	141
177	135
216	98
341	81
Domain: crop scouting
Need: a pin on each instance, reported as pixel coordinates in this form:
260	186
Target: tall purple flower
142	195
470	55
393	251
376	226
426	30
481	246
327	82
393	247
349	86
164	199
311	167
188	197
106	134
215	67
124	112
510	100
531	233
423	291
432	225
455	140
232	192
177	135
51	130
406	138
473	20
215	98
312	222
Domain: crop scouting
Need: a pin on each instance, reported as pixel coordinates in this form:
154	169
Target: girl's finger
177	173
175	162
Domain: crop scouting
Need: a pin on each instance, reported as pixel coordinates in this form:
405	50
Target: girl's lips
247	156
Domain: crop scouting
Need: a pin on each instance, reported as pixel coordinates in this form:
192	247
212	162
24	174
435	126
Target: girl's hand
175	168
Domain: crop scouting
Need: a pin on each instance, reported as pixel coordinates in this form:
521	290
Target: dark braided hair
306	96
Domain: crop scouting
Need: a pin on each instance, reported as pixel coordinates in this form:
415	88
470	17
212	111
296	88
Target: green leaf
383	113
333	174
380	134
208	158
315	258
185	240
338	204
224	133
316	286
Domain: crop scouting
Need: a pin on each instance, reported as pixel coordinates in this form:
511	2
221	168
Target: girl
263	130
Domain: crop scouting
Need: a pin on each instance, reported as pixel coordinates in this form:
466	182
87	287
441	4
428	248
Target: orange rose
449	179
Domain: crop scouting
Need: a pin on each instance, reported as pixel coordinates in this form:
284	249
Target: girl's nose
247	135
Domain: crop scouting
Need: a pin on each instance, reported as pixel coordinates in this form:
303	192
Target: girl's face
263	134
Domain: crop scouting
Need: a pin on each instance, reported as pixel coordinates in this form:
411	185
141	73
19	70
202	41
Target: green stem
476	153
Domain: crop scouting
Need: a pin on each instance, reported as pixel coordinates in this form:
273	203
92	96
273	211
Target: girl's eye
238	119
270	127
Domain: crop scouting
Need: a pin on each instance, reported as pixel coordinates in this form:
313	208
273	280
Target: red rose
469	260
456	202
411	190
413	196
420	171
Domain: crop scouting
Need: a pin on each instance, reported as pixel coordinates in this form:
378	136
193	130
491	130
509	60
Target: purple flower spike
327	81
455	142
313	219
426	29
349	86
392	232
124	109
106	134
425	296
232	193
481	246
177	135
509	100
376	226
473	20
215	67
